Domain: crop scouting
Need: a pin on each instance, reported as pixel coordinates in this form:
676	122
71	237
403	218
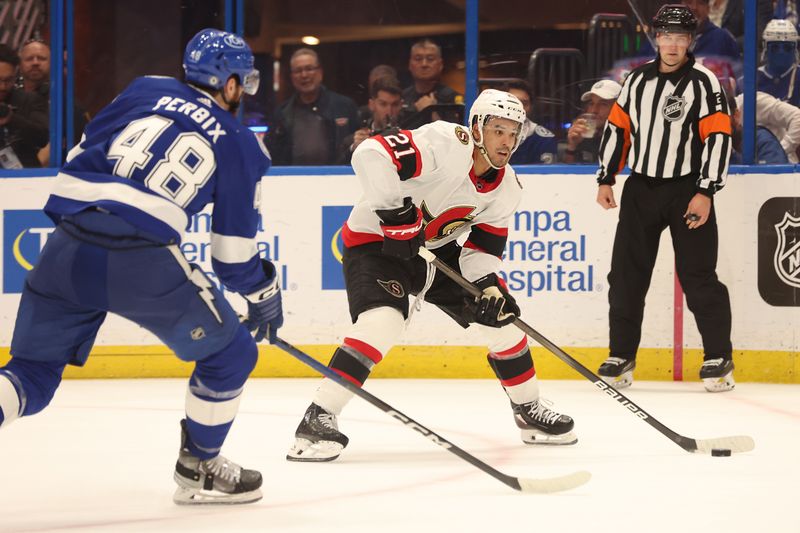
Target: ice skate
212	481
542	425
617	372
317	438
717	375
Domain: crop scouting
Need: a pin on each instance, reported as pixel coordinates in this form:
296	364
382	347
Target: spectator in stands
583	136
313	122
768	148
778	75
378	72
426	65
384	104
34	67
539	145
709	40
34	70
778	120
728	15
23	117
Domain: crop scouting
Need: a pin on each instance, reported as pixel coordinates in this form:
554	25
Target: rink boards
557	259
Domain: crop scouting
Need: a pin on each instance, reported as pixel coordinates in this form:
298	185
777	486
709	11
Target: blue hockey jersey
158	154
785	87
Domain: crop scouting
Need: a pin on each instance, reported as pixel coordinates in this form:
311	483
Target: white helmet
780	30
493	103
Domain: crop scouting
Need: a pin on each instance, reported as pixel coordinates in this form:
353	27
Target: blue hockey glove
403	231
495	308
264	308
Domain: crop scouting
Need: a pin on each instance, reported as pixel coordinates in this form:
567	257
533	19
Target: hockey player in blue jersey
159	153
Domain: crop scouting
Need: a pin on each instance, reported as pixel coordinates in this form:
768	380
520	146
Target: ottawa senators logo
437	227
674	108
393	287
462	135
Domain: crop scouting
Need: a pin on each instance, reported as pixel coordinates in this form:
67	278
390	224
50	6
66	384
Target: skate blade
723	384
533	436
623	381
304	450
188	496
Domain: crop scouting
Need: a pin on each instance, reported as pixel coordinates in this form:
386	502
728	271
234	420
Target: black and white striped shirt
669	125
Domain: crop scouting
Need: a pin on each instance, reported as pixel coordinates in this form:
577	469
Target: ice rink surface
101	458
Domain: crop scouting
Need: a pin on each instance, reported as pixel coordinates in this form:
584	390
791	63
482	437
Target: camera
5	109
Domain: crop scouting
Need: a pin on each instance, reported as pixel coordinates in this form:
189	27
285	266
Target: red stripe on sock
522	378
348	377
364	348
514	350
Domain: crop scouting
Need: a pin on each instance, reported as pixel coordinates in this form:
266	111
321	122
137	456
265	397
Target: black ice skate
542	425
717	375
617	372
215	480
317	437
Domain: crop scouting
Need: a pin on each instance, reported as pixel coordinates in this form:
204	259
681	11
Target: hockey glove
264	308
403	232
496	307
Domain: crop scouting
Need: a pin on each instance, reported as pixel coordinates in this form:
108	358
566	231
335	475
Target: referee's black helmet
674	18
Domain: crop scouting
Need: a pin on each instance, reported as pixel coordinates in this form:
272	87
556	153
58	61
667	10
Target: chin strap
485	155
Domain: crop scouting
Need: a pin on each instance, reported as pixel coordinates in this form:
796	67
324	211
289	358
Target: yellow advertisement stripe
441	362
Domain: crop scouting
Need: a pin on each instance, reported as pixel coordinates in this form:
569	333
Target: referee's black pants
647	207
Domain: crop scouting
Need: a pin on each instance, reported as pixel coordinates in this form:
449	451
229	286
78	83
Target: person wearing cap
671	125
583	136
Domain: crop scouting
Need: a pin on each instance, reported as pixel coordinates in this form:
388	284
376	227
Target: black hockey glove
495	308
264	306
403	231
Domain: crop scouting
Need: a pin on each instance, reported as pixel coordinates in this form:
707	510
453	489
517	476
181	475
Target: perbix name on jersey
199	114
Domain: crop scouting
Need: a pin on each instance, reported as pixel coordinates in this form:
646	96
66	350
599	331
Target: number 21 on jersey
404	153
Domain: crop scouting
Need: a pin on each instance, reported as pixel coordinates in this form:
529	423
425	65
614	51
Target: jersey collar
489	181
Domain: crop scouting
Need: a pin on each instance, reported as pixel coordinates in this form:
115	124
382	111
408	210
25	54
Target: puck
720	452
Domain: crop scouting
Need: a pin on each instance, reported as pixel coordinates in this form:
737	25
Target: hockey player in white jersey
428	187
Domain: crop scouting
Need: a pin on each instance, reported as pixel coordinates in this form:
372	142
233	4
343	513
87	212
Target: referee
671	122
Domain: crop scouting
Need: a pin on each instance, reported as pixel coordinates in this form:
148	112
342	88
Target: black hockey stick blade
736	444
539	486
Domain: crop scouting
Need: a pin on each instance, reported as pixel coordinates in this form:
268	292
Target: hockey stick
735	444
642	22
546	485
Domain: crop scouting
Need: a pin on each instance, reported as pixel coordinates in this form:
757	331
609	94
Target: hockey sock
373	334
214	393
514	368
353	360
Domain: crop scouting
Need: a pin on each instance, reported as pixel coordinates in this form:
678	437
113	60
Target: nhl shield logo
674	108
787	252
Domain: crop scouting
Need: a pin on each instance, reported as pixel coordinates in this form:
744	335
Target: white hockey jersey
433	165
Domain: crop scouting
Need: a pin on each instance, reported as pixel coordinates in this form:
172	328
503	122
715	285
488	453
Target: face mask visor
251	81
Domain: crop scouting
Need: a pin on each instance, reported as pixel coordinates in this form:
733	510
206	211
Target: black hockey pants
647	207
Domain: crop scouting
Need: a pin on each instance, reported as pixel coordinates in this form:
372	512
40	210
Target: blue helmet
213	56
